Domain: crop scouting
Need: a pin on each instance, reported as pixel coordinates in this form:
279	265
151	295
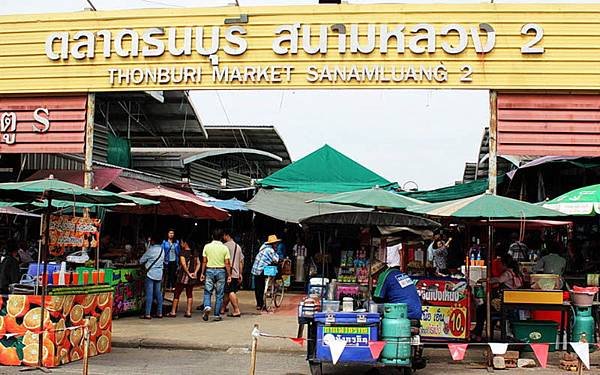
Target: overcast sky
424	136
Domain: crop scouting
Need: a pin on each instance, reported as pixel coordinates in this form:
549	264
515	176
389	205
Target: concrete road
236	362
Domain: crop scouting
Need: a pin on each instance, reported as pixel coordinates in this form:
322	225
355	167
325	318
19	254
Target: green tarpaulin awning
450	193
371	198
327	171
291	206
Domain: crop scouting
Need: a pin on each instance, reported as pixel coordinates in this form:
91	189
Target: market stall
362	332
47	314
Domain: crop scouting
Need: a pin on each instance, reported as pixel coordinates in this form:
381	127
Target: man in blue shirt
393	286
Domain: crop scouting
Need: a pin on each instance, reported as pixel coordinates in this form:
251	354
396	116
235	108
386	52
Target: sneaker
207	310
218	318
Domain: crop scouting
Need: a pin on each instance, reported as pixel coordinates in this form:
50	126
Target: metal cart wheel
269	294
316	368
279	291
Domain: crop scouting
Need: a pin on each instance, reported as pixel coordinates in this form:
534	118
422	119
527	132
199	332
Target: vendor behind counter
394	286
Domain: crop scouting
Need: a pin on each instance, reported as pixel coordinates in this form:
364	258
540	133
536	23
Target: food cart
362	325
43	323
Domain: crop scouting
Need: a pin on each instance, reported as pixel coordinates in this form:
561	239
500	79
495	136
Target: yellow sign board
486	46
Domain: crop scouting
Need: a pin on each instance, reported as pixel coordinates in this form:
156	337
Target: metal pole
488	292
45	251
89	141
86	346
493	143
253	353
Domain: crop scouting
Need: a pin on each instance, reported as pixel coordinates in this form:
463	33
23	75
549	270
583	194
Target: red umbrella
176	203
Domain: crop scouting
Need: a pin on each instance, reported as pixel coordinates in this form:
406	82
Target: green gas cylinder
395	330
584	324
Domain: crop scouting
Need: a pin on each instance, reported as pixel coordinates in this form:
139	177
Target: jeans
215	281
153	292
259	289
171	274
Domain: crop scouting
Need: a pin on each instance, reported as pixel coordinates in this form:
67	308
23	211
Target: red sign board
445	308
548	124
44	124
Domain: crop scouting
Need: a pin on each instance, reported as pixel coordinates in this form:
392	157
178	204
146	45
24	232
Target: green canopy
459	191
31	191
290	206
371	198
582	201
324	171
486	206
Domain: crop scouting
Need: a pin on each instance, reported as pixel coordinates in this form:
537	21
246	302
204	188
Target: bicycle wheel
268	295
279	291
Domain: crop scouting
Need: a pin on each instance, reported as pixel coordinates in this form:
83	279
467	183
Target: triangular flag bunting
336	347
376	347
498	348
541	353
299	340
457	351
583	351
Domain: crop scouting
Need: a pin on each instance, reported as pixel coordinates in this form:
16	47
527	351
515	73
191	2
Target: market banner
72	231
445	308
583	352
541	353
458	351
376	347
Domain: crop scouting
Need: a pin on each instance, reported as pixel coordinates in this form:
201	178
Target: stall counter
128	284
65	315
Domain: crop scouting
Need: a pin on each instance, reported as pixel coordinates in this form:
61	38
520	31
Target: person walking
266	256
187	275
216	271
237	268
153	261
171	249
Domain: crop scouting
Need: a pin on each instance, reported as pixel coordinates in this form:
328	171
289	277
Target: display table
128	284
64	318
529	299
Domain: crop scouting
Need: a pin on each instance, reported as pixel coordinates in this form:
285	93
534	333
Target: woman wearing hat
266	256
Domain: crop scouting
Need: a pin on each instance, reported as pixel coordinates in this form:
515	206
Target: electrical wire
161	3
223	107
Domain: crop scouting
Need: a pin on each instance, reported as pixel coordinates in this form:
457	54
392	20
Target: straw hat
377	266
273	239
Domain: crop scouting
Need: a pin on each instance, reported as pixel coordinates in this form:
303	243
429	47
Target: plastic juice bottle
86	278
95	276
101	277
55	278
74	278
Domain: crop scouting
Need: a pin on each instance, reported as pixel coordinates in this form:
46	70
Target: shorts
233	286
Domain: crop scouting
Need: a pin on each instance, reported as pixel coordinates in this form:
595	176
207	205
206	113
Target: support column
493	143
89	141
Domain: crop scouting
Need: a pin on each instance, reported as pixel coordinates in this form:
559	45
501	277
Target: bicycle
274	288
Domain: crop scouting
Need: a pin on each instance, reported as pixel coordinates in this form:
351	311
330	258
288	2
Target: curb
139	343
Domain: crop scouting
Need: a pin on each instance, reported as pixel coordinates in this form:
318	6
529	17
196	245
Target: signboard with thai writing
72	231
445	308
48	124
483	46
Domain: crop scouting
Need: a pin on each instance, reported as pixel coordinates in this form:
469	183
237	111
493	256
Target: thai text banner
486	46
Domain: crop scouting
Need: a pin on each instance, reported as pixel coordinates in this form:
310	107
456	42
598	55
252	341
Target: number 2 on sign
466	70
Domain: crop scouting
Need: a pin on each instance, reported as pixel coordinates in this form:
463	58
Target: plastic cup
74	278
86	278
101	276
55	277
67	278
95	276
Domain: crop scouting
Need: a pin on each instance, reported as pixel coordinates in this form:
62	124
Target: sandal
235	315
148	317
159	317
187	316
171	315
